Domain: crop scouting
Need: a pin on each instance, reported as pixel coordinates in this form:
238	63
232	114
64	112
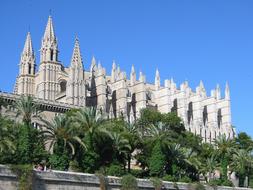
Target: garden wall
57	180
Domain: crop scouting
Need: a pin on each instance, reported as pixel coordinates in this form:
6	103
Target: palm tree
26	108
60	130
224	150
242	164
131	133
209	167
120	146
89	122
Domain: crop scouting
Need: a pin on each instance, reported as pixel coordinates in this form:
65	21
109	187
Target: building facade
117	95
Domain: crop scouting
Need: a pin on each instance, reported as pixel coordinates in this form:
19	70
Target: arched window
51	55
29	69
219	118
114	103
174	108
63	84
190	112
205	115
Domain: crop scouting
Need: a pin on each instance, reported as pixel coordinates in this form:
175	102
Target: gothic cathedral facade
115	94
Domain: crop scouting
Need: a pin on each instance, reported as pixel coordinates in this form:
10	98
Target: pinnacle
49	32
76	57
28	49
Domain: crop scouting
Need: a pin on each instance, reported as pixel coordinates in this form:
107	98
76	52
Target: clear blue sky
210	40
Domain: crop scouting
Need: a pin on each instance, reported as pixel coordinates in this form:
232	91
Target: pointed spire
227	92
218	94
142	77
113	72
76	56
201	85
157	79
132	69
132	76
28	49
93	66
49	32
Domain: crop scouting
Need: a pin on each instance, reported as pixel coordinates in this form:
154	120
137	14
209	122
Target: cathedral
115	93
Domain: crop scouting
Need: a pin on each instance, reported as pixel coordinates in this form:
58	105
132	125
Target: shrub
129	182
185	179
169	178
59	162
157	183
227	183
220	182
114	170
157	161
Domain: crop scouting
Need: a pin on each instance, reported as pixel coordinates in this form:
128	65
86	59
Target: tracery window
205	115
174	108
219	118
190	113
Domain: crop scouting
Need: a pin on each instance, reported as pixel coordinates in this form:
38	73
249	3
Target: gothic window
205	115
63	84
174	108
190	112
51	55
114	103
134	104
219	118
29	69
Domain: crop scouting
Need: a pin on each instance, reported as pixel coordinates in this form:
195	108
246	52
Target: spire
93	65
227	92
201	85
141	77
132	69
49	32
132	76
28	49
49	47
113	73
76	56
157	79
27	61
218	94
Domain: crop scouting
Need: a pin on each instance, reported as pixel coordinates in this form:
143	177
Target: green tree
60	131
26	108
157	161
224	152
242	164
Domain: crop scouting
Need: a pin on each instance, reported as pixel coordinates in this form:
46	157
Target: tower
75	91
25	81
48	86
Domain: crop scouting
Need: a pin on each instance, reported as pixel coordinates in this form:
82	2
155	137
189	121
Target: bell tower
25	81
48	85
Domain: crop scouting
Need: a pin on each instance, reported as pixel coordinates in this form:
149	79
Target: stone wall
58	180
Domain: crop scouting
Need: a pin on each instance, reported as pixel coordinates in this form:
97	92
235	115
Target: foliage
169	178
84	140
157	161
220	182
25	176
59	162
115	170
129	182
